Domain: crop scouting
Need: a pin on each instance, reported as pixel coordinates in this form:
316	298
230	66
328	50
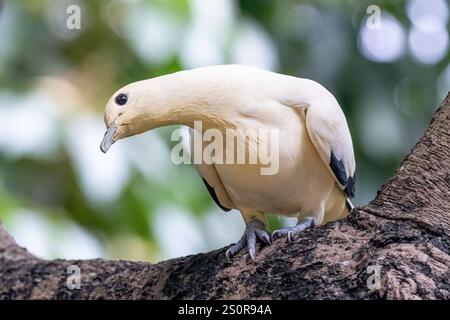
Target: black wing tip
338	168
214	196
350	188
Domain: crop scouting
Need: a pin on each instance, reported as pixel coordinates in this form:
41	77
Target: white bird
316	174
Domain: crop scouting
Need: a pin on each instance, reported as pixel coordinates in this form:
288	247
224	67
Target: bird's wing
330	135
212	181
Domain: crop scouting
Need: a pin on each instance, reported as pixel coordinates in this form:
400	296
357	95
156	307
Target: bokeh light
383	44
428	36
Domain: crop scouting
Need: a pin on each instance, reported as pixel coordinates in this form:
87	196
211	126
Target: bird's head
177	98
129	112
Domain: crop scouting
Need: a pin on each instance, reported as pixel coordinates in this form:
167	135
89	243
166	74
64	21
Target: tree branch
404	233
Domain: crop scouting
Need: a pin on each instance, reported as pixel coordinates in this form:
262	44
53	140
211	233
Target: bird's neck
185	97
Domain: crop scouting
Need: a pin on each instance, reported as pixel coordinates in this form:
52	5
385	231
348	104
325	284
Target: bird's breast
288	174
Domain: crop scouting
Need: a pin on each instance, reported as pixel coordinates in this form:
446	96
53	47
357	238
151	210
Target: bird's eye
121	99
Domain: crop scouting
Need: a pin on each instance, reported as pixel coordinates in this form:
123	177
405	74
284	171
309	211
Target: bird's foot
292	232
254	229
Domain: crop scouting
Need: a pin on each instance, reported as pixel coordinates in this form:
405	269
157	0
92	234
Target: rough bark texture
405	231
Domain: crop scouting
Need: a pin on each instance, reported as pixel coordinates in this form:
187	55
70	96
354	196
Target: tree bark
395	247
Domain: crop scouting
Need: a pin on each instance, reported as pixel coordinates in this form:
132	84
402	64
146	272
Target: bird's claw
292	232
254	230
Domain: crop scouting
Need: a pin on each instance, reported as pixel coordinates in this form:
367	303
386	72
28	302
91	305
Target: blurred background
387	62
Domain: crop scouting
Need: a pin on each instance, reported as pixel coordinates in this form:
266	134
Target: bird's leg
255	229
292	232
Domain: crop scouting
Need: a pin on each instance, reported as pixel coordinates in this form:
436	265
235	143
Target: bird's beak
108	138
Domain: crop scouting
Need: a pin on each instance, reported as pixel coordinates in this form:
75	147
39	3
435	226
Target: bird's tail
338	205
349	205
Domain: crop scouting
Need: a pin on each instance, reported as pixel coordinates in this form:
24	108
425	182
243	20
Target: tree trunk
396	247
